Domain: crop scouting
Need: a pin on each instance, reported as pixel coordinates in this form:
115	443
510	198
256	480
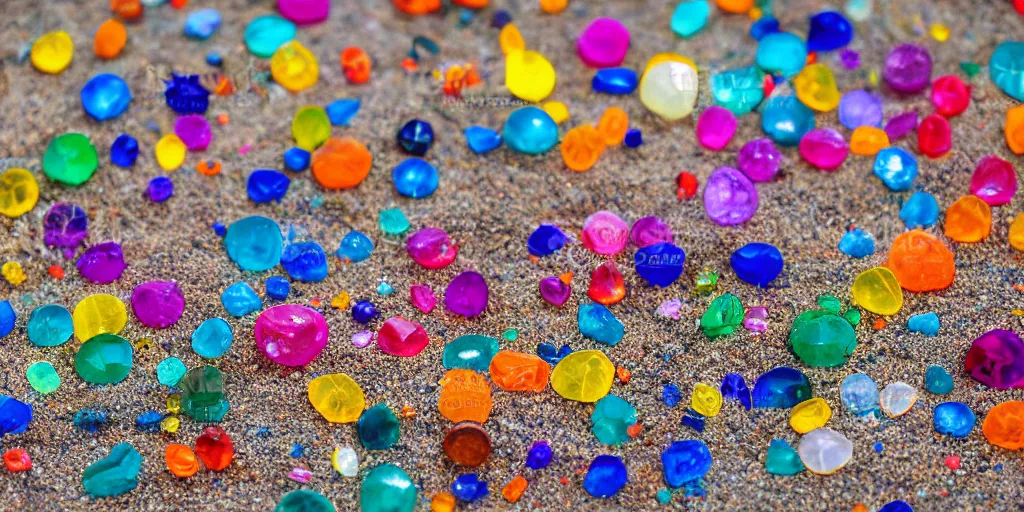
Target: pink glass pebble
291	334
605	233
729	197
194	131
300	475
158	304
431	248
994	181
824	148
908	68
759	160
900	125
934	136
554	291
950	95
362	339
715	127
670	309
603	43
756	319
304	12
102	263
422	297
401	337
649	231
467	294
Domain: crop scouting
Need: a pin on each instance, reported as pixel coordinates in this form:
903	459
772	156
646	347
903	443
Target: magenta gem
291	334
194	131
422	297
756	319
729	197
304	12
362	339
603	43
554	291
649	231
715	127
605	233
908	68
994	181
65	226
102	263
824	148
759	160
899	126
158	304
996	359
466	294
431	248
401	337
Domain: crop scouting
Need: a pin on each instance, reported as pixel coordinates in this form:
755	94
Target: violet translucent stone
467	294
759	160
605	233
729	197
994	181
102	263
860	108
65	226
431	248
158	304
554	291
649	231
908	68
291	334
824	148
304	12
899	126
194	131
422	297
715	127
401	337
996	359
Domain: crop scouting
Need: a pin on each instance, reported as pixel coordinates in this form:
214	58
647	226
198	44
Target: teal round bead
264	35
170	371
471	352
304	500
254	243
1006	68
43	377
387	488
378	428
212	338
785	120
781	52
530	130
739	90
393	222
50	325
690	17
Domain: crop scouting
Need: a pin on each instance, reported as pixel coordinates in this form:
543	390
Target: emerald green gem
202	394
70	159
387	488
114	475
42	377
393	222
471	352
378	428
782	459
170	371
104	359
970	68
304	500
612	417
822	338
852	316
723	316
830	303
510	335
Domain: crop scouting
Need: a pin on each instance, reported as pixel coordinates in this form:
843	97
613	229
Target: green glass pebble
265	34
970	68
612	417
510	334
387	488
852	316
70	159
822	338
50	325
378	428
304	500
830	303
471	352
43	377
114	475
170	371
202	394
782	459
723	316
104	359
393	222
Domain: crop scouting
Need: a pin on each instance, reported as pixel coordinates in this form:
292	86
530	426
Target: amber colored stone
514	489
1004	425
465	395
416	7
341	163
581	147
868	140
1017	232
181	460
969	219
1015	129
613	125
215	448
921	262
467	444
442	502
516	371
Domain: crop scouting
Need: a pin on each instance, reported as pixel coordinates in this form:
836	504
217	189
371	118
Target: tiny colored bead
868	140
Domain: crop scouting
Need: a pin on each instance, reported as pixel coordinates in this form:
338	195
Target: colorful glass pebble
669	90
105	96
936	379
729	197
716	127
104	359
603	44
878	291
860	108
52	52
1006	68
857	243
969	219
597	322
415	137
170	152
908	68
950	95
254	243
265	34
780	388
829	30
337	397
781	52
994	181
294	67
482	140
740	90
355	247
415	178
896	168
785	120
530	130
816	87
759	160
615	81
19	192
824	148
690	17
920	211
529	75
934	136
757	263
70	159
304	262
212	338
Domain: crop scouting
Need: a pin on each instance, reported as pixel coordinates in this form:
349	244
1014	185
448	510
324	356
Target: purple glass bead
304	12
158	304
554	291
603	43
194	131
996	359
431	248
860	108
824	148
759	160
160	189
649	231
715	127
899	126
422	297
850	59
729	197
102	263
539	455
65	226
605	233
908	68
466	294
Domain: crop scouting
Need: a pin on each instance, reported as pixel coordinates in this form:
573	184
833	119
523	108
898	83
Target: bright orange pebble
510	39
223	119
472	4
613	125
553	6
356	64
1015	129
859	508
179	4
634	430
1017	232
126	9
515	371
465	395
341	163
514	489
921	262
208	168
736	6
868	140
442	502
1004	425
581	147
58	273
416	7
110	39
181	460
969	219
623	374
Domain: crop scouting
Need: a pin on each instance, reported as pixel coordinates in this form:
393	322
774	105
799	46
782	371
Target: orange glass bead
1017	232
879	324
408	412
341	163
465	395
921	262
1015	129
110	39
514	489
416	7
623	374
566	277
613	125
223	119
868	140
969	219
223	87
634	430
356	65
516	371
860	507
1004	425
442	502
553	6
409	64
510	39
179	4
467	444
581	147
58	273
208	167
471	4
735	6
17	459
181	460
126	9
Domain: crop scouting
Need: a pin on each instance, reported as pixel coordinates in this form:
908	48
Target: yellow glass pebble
311	127
170	424
98	314
669	90
52	53
294	67
868	140
755	13
19	192
873	77
143	346
1017	232
558	111
878	291
174	403
337	397
510	39
706	400
816	87
809	415
13	273
528	75
170	152
584	376
939	32
341	300
668	57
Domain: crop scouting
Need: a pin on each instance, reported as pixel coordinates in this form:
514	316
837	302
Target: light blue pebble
896	168
859	394
954	419
170	371
340	112
927	324
857	243
355	247
240	299
49	325
212	338
1006	68
690	16
599	324
105	96
481	140
937	380
264	35
385	289
202	24
415	178
530	130
920	211
781	52
785	120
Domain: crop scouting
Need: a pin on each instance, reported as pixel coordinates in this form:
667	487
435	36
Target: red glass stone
401	337
950	95
17	459
606	284
934	137
686	184
214	448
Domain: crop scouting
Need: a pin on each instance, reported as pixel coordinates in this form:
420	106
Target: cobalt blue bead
671	395
364	311
296	159
597	322
785	120
605	477
857	243
615	81
757	263
266	185
829	31
781	388
539	455
685	461
185	95
214	59
415	178
124	151
500	19
340	112
305	261
660	264
546	239
763	26
550	354
148	421
15	416
896	168
954	419
7	318
634	138
896	506
530	130
416	137
469	488
920	211
105	96
781	52
694	420
160	189
202	23
355	247
220	229
734	387
240	299
278	288
482	140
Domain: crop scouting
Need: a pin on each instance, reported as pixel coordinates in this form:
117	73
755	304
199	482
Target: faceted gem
996	359
291	334
756	319
781	52
158	304
215	448
716	127
908	68
822	338
757	263
267	185
723	316
740	90
104	359
689	17
181	460
735	388
857	243
759	160
97	314
515	371
555	291
19	192
824	451
878	291
170	371
809	415
529	75
950	95
816	87
685	461
482	140
355	247
927	324
530	130
921	262
539	455
401	337
920	211
1014	129
605	476
467	294
969	219
467	444
469	488
415	137
202	397
612	416
782	459
415	178
378	428
896	168
471	351
603	43
897	398
994	181
868	140
102	263
70	159
431	248
254	243
1006	68
341	163
829	31
52	52
860	108
114	474
900	125
934	136
49	326
606	284
584	376
294	67
212	338
337	397
953	419
669	90
105	96
387	488
859	394
1004	425
785	120
706	400
17	460
465	395
729	197
781	388
660	264
598	323
240	299
824	148
265	34
42	377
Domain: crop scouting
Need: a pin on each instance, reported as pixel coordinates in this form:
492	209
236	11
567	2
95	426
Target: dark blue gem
549	353
160	189
634	138
545	240
90	420
214	59
896	506
482	140
220	229
469	488
148	421
671	395
685	461
734	387
416	137
660	264
764	26
185	95
296	159
539	455
7	318
615	81
500	19
694	420
278	288
305	261
124	151
15	416
829	31
605	477
781	388
266	185
364	311
757	263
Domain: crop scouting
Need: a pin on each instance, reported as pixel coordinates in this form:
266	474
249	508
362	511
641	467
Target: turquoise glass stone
115	474
782	459
50	325
170	371
254	243
927	324
860	394
781	388
598	323
920	211
202	394
481	140
240	299
896	168
938	381
470	352
1006	68
781	52
393	222
378	428
304	500
43	377
355	247
690	16
212	338
740	90
953	419
387	488
530	130
264	35
612	416
785	120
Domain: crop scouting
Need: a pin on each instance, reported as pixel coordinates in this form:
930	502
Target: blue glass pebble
615	81
341	112
954	419
500	18
781	52
185	95
89	420
734	387
296	159
694	420
214	59
763	26
148	421
879	447
660	264
530	130
15	416
266	185
415	178
465	17
481	140
539	455
671	395
781	388
605	477
7	318
170	371
265	34
757	263
927	324
598	323
220	228
860	394
634	138
938	381
48	326
239	299
1006	68
278	288
552	355
740	90
160	189
355	247
416	137
920	211
364	311
829	31
202	23
212	338
896	168
689	17
469	488
785	120
124	151
685	461
857	243
297	451
545	240
896	506
105	96
305	261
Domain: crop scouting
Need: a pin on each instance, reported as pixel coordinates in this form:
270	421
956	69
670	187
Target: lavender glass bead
908	68
860	108
729	197
759	160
